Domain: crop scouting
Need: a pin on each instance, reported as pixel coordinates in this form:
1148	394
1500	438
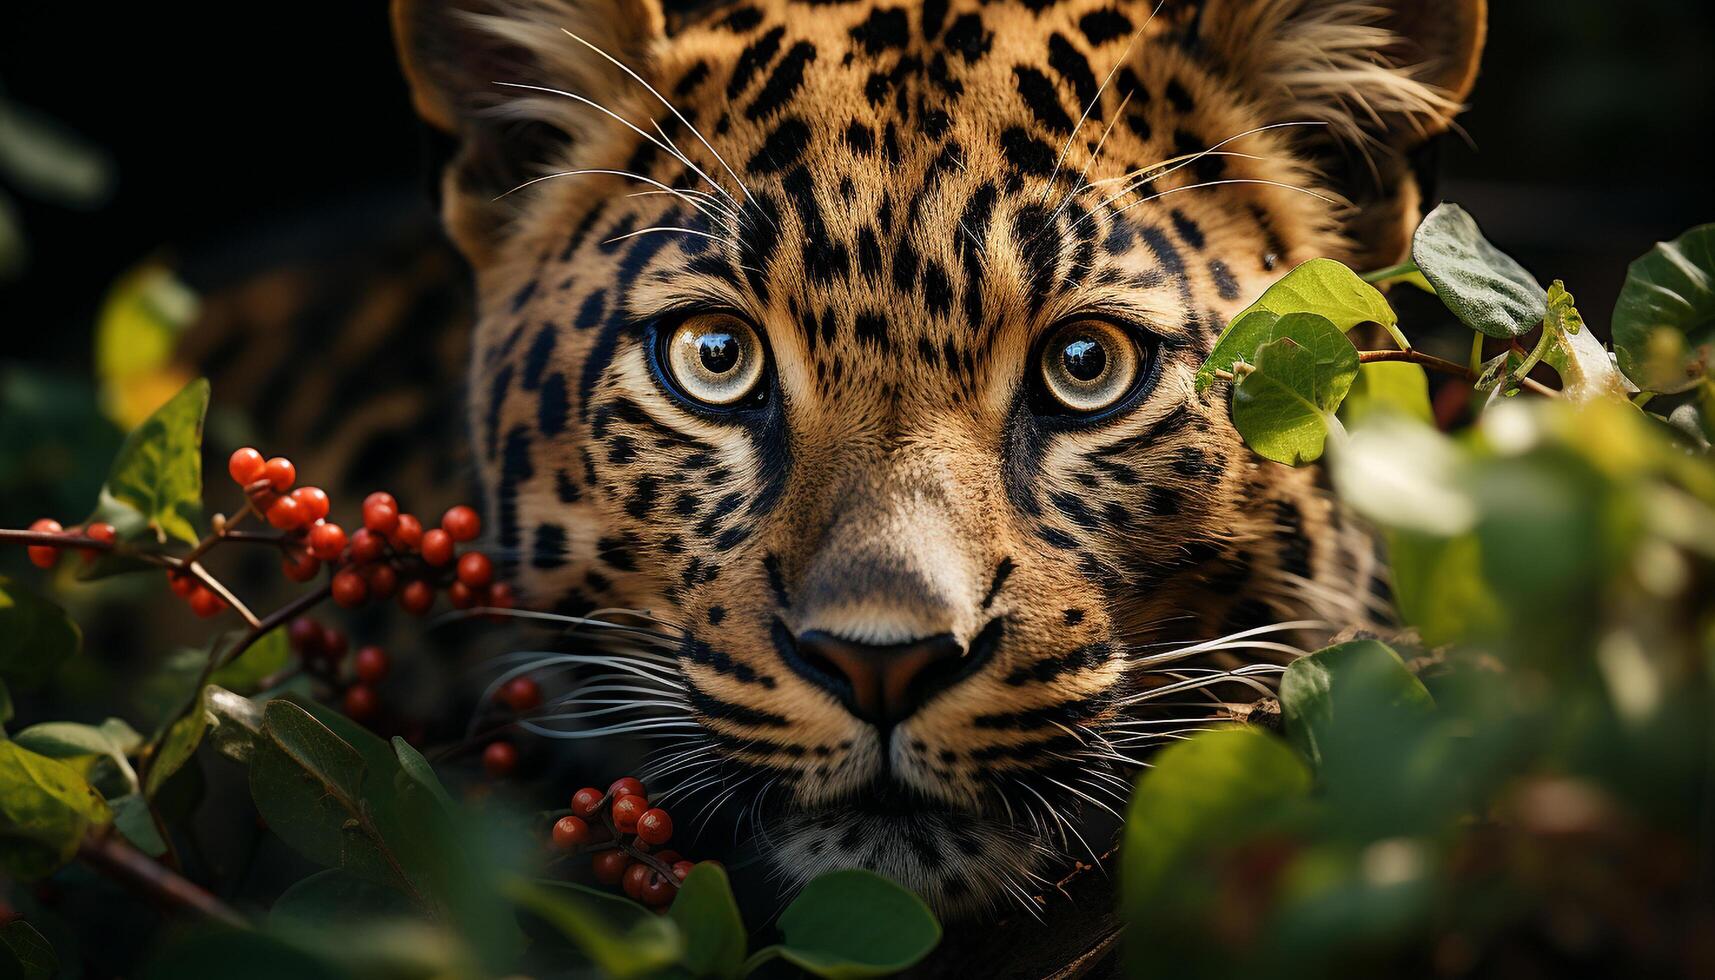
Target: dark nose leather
882	685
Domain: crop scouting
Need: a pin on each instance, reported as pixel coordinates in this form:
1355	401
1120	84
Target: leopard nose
882	685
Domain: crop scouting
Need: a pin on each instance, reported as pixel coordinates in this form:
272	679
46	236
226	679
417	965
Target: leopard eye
715	358
1089	365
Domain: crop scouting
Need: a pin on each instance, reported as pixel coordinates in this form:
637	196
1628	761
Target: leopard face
855	340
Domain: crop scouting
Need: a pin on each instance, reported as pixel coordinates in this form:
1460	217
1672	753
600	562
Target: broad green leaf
45	810
1392	387
38	636
622	938
131	818
235	722
1320	286
1483	286
268	655
1439	588
708	918
1664	322
1284	407
1586	370
311	785
25	954
334	897
1309	698
856	923
106	747
179	744
421	774
155	485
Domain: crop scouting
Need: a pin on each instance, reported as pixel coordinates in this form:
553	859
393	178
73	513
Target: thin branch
109	855
1444	366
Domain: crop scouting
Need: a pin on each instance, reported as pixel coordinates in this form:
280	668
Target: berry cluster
622	830
322	650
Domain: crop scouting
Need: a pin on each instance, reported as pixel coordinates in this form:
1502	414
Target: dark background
240	134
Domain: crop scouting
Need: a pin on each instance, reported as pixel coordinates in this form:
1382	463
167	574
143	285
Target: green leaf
1320	286
855	923
334	897
1439	587
622	938
45	810
5	707
421	774
38	636
155	484
1586	369
131	818
251	954
1664	321
105	748
267	656
708	918
179	744
139	326
310	785
1392	387
1284	407
25	954
1483	286
1308	696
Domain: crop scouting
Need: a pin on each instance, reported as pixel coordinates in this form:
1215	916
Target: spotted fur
904	198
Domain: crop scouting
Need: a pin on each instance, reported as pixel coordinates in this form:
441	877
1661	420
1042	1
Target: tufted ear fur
1383	76
457	54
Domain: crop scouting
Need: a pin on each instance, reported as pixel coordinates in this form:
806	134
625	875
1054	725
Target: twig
109	855
1444	366
182	565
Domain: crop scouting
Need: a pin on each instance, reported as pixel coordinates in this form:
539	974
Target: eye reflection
1089	365
714	358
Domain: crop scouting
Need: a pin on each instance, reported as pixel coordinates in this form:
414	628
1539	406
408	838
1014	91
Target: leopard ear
465	60
1383	77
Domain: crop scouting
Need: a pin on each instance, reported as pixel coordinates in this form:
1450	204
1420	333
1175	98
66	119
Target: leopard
854	340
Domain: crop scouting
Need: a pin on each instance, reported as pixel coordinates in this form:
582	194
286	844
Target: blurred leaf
622	938
1439	588
136	333
1585	367
1388	386
1483	286
1664	321
335	897
1309	699
110	743
419	772
312	787
156	480
38	636
1284	407
45	810
1320	286
47	161
131	818
25	954
708	918
251	954
5	707
54	445
855	923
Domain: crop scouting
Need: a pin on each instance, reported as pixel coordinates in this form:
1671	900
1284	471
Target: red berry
305	635
360	702
245	466
286	513
299	566
327	541
181	584
682	869
460	595
654	826
205	603
668	857
461	523
626	786
500	596
349	588
635	876
521	694
658	889
334	644
475	570
370	664
609	866
383	580
280	473
381	497
437	547
380	516
626	810
569	832
407	533
366	545
586	801
102	532
314	501
416	597
41	555
499	759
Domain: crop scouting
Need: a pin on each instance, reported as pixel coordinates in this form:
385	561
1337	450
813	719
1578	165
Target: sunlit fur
904	199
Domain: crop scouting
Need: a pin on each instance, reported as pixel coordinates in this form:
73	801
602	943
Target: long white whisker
1098	97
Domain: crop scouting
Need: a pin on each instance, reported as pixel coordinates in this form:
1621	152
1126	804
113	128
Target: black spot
617	553
937	291
549	549
869	253
1294	554
536	360
716	614
565	488
752	60
743	19
782	147
1072	617
870	327
552	405
1025	153
497	390
776	582
1102	26
644	493
515	469
698	72
934	14
1224	281
884	28
1206	166
1002	572
1075	69
1179	97
905	265
967	36
1188	229
523	295
1042	99
593	309
860	139
784	82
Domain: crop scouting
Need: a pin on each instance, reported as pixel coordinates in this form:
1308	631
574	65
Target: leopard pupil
1084	359
718	351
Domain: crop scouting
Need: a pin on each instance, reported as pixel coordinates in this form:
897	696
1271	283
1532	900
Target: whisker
1096	100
